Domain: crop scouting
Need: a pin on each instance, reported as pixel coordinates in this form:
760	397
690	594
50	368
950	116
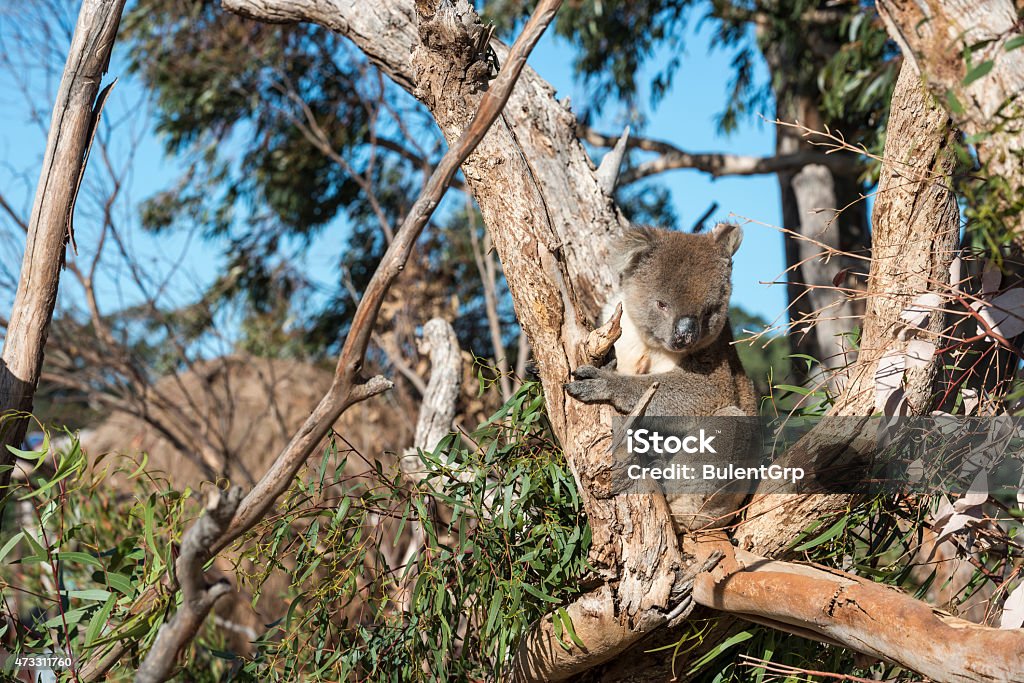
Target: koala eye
662	306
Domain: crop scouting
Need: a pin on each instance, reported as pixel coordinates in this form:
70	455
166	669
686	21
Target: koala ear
729	236
631	246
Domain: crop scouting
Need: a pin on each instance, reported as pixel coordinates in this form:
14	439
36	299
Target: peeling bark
935	35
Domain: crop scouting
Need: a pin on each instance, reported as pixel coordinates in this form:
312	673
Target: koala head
676	286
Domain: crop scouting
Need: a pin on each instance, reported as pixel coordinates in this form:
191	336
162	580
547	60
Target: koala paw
591	385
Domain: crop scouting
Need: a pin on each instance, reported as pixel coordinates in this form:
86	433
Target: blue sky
685	117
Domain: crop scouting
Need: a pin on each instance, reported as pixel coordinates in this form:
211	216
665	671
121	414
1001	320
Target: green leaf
556	622
1014	43
979	71
10	545
492	612
99	621
537	593
829	534
794	389
71	617
569	629
954	104
79	557
735	639
88	594
121	583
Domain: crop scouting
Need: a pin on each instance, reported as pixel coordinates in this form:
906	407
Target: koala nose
685	332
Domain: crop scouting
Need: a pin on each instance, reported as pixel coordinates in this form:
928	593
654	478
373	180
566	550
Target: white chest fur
634	356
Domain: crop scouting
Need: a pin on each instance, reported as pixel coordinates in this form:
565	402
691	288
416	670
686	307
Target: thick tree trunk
988	105
49	229
989	108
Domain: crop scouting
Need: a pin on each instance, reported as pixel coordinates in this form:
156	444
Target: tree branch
716	164
197	596
63	164
860	614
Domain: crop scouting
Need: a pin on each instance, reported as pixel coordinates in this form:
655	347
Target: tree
549	215
565	270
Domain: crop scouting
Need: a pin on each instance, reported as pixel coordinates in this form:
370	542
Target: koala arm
676	395
601	385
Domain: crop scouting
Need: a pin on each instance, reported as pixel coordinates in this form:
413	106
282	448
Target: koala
674	289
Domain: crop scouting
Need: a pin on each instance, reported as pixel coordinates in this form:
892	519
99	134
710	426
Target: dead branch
442	391
672	158
71	128
197	595
437	411
608	172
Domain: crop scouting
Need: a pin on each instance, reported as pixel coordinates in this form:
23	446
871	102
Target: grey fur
690	276
675	289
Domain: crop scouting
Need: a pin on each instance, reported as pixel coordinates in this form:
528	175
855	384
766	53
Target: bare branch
63	164
197	596
717	164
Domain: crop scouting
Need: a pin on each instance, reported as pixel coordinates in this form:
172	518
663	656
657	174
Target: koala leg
717	509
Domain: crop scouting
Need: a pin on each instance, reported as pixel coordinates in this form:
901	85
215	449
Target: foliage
504	541
503	533
88	566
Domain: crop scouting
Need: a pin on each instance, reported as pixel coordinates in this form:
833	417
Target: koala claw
589	390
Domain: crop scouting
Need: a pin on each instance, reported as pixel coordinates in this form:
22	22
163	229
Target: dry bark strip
72	125
348	387
871	618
